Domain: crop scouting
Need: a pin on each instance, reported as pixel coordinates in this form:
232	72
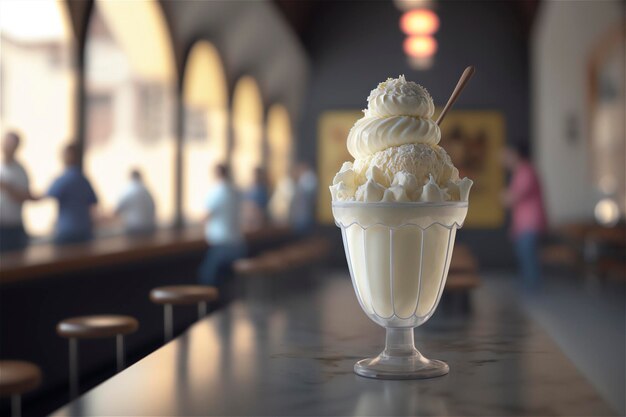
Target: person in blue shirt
222	228
302	210
256	201
76	201
259	193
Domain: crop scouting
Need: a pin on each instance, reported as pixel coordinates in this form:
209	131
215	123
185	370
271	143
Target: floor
586	317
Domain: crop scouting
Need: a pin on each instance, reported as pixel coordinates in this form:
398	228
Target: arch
280	143
205	101
130	97
128	22
247	116
38	93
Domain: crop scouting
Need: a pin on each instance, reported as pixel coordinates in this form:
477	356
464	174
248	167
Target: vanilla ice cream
396	152
398	253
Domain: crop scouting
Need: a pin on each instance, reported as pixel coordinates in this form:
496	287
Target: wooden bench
258	265
462	281
612	269
285	258
560	255
463	277
463	260
272	271
600	249
456	297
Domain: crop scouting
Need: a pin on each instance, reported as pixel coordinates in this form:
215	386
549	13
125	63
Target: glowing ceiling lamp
419	22
420	51
420	46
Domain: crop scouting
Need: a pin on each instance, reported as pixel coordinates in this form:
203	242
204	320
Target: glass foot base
400	367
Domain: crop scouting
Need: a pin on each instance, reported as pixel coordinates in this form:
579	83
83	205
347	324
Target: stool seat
94	327
183	294
17	377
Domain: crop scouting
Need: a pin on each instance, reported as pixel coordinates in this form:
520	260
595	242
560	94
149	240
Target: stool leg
119	344
201	309
73	367
168	320
16	405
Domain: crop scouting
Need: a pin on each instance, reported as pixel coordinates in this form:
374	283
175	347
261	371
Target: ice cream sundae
399	204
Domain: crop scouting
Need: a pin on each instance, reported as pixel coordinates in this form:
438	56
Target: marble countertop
291	352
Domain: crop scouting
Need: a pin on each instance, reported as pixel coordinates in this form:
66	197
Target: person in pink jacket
528	217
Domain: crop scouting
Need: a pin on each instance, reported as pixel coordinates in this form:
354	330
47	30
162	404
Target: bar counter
291	352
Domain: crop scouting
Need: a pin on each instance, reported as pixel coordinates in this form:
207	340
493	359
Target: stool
94	327
17	378
181	295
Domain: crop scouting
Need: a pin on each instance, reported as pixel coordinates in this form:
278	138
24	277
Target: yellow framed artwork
474	140
332	130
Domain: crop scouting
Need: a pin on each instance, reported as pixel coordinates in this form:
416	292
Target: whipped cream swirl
399	112
399	97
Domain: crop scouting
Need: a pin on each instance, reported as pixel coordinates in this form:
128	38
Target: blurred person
302	210
281	200
222	229
528	218
256	201
136	207
76	199
14	190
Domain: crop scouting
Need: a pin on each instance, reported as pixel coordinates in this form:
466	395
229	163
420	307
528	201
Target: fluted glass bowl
399	255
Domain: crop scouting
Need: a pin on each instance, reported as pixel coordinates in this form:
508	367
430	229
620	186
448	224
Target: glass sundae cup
399	254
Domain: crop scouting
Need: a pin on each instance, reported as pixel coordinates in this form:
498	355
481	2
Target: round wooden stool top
93	327
183	294
17	377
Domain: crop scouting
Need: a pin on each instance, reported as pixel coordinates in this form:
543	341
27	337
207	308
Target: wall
563	37
355	45
253	38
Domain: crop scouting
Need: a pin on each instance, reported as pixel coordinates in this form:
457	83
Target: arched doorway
205	100
37	94
280	139
247	131
130	86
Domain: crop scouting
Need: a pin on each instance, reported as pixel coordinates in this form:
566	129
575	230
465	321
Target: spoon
465	77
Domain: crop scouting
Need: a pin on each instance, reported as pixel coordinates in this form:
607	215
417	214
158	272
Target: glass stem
400	342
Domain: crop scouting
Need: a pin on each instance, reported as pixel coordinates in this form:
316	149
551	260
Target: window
100	111
279	144
248	131
38	94
130	85
205	126
150	109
